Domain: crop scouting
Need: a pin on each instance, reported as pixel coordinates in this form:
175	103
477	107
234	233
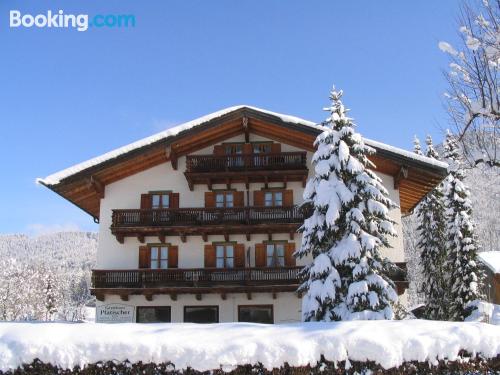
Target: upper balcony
205	221
246	168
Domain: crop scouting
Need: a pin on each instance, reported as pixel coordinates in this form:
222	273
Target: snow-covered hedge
383	344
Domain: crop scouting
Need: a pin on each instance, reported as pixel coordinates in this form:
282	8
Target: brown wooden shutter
209	199
239	255
258	198
219	150
174	200
209	256
247	148
288	198
146	201
239	198
144	257
260	255
289	258
276	148
173	256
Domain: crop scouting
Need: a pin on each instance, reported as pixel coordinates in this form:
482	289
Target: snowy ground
205	347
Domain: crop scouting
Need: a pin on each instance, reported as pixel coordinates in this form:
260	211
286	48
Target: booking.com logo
80	22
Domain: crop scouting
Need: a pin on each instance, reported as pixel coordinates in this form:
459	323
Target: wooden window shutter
258	198
209	199
144	257
173	256
239	198
146	201
260	255
239	255
174	200
247	148
289	258
288	198
219	150
276	148
209	256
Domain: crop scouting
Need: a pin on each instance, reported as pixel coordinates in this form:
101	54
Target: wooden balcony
200	281
246	168
205	221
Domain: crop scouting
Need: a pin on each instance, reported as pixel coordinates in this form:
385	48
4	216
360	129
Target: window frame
159	259
161	194
225	257
224	194
262	143
228	146
254	306
275	256
198	306
152	307
273	197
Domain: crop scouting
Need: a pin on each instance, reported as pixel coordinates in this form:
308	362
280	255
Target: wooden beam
246	128
100	297
183	237
223	296
248	236
402	173
249	296
124	297
161	237
275	295
204	236
173	297
226	236
292	235
96	185
140	238
174	159
198	297
149	297
269	236
120	238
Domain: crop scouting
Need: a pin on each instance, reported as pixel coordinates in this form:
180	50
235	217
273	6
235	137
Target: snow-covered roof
491	259
56	178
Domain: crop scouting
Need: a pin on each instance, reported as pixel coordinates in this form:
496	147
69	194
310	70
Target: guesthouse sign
115	313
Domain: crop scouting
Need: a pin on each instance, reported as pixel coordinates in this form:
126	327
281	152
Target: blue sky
66	96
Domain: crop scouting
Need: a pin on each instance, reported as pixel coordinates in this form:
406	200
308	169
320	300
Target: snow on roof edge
491	259
57	177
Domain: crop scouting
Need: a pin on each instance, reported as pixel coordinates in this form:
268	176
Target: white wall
126	194
286	307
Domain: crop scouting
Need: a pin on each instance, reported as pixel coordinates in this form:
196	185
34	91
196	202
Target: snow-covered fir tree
431	240
347	278
463	272
416	146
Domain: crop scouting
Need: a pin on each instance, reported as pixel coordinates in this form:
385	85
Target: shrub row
465	365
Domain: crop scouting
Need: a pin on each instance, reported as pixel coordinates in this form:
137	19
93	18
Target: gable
83	184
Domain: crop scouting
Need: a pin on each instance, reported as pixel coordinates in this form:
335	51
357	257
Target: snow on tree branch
347	279
473	95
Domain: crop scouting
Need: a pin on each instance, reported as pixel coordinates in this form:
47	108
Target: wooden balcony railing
206	216
195	277
234	163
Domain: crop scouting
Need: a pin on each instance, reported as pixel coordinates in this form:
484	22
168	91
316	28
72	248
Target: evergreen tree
416	146
430	215
463	272
347	278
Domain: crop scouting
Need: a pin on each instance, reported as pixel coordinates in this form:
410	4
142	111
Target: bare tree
473	95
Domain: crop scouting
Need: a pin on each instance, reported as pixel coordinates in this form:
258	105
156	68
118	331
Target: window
273	198
160	200
224	199
201	314
233	148
224	255
153	314
275	254
159	257
261	148
256	314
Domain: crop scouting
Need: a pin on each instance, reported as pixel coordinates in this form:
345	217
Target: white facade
126	193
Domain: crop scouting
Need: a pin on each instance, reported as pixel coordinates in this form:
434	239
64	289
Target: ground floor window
201	314
256	313
153	314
